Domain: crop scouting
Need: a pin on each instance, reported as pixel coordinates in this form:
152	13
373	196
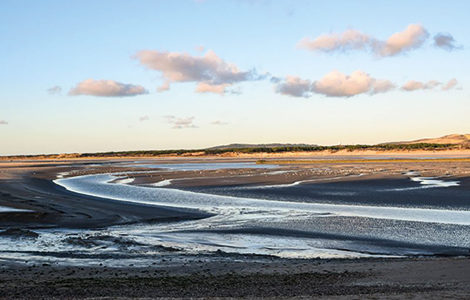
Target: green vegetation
252	150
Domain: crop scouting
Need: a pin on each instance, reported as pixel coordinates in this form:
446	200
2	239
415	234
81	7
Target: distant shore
277	152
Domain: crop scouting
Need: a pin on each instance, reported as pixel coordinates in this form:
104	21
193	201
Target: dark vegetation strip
349	161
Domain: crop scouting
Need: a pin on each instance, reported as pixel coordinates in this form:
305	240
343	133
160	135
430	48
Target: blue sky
106	98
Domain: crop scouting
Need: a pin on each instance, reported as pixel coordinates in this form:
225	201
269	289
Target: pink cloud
348	40
450	84
337	84
400	42
204	87
209	71
106	88
410	38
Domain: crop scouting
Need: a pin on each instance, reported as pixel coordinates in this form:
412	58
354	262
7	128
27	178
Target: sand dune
460	139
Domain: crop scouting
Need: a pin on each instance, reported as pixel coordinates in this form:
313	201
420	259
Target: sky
89	76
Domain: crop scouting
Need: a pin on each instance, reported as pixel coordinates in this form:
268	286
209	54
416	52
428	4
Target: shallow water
100	186
11	209
206	166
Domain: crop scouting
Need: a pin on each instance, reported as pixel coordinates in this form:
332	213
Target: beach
102	253
419	278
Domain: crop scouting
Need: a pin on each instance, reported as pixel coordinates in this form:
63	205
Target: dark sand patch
361	278
54	206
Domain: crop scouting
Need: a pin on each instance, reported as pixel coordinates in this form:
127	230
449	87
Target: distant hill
455	139
247	146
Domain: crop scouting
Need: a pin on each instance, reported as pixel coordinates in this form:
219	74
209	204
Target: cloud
334	84
3	122
337	84
431	84
209	71
219	123
445	41
180	123
144	118
164	87
450	84
413	85
410	38
295	87
107	88
349	40
204	87
235	91
54	90
382	86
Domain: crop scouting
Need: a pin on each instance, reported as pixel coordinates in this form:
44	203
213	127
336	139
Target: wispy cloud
144	118
413	85
219	123
54	90
349	40
382	86
204	87
164	87
107	88
445	41
3	122
210	72
180	123
450	84
400	42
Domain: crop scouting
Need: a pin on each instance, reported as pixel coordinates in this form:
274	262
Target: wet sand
419	278
29	186
291	173
32	188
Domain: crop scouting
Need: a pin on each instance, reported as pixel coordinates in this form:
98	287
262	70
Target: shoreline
219	274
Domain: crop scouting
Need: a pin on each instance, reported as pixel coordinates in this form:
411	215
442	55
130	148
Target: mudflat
29	186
